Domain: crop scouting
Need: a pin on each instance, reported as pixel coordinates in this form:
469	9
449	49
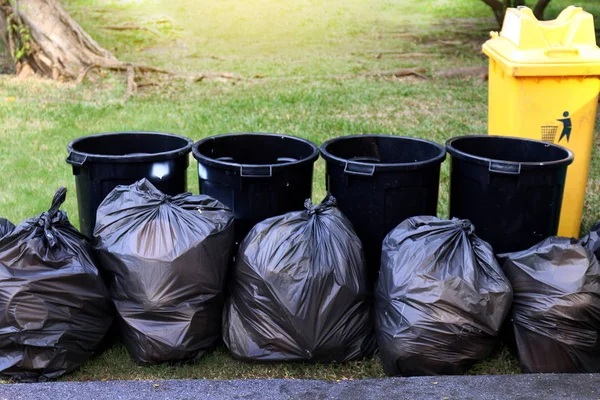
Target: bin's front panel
377	204
560	110
511	212
95	181
254	199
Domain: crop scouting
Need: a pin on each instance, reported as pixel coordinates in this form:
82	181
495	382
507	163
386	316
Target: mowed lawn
305	64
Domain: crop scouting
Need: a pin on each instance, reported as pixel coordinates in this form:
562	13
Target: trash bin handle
359	169
502	168
558	51
262	171
76	159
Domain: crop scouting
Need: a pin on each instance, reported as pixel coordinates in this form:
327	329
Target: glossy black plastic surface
257	175
102	162
379	181
511	189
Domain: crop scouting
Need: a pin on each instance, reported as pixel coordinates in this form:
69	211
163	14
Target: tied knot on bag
165	197
326	204
148	190
178	199
47	219
466	226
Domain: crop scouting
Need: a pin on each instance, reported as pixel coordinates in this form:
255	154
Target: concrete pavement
577	386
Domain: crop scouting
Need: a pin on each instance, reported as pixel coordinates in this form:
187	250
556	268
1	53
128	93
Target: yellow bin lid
565	46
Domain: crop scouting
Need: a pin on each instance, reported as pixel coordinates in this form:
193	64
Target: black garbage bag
441	298
54	307
299	290
556	309
592	240
168	257
6	227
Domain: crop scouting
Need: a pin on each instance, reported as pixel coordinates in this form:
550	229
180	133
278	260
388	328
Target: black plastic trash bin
104	161
379	181
511	189
257	175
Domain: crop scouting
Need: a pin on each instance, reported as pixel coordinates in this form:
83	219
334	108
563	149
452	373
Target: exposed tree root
133	69
136	68
49	43
481	72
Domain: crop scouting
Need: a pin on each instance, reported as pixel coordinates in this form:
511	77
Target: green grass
299	42
115	363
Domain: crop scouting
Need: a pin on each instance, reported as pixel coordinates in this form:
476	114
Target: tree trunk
539	9
3	31
498	7
52	44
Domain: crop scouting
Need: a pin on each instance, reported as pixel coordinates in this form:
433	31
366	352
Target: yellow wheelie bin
544	79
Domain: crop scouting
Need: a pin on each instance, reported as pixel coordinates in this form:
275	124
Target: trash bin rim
461	155
385	166
107	158
205	160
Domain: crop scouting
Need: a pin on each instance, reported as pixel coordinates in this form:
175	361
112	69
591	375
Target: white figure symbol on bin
567	127
160	170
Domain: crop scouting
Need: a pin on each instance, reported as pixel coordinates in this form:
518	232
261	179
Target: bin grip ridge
76	159
505	168
359	169
260	171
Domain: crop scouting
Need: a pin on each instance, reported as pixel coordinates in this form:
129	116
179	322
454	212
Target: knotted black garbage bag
556	309
54	308
441	298
299	290
168	259
5	227
592	240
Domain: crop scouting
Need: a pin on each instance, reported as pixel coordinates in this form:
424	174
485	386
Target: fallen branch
377	52
118	66
148	83
451	42
395	35
418	72
145	68
130	28
131	70
216	75
396	54
208	57
460	72
405	55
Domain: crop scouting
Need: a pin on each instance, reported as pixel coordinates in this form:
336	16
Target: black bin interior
129	144
256	149
383	150
509	149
